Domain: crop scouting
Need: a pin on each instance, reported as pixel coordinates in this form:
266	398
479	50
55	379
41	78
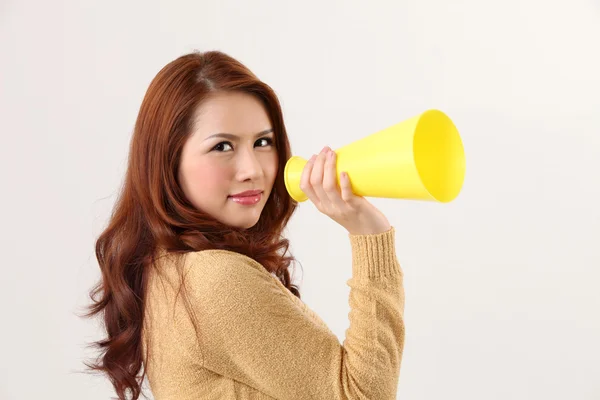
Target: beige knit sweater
256	340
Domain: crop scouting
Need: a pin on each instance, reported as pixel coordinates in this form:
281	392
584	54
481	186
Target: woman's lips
246	200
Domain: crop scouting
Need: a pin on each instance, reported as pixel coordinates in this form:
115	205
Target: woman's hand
339	203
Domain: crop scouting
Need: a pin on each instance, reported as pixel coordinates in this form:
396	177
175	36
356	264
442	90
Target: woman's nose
249	166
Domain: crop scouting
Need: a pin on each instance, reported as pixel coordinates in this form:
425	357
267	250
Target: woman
195	287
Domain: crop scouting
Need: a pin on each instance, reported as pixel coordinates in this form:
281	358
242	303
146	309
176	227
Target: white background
502	298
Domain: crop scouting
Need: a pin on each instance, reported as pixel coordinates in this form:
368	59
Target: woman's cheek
216	178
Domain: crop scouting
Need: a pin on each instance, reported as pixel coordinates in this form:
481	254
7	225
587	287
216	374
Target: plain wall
502	298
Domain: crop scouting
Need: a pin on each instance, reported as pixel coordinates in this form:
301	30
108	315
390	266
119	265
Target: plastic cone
421	158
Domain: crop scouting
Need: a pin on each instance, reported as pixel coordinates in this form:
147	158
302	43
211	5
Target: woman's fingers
316	180
319	182
330	184
305	185
346	188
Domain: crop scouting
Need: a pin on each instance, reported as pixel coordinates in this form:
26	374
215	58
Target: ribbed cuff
374	256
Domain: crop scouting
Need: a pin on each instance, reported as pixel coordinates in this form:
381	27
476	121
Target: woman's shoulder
221	258
215	262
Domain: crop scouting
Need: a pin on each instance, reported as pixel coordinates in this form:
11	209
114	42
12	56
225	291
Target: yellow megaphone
421	158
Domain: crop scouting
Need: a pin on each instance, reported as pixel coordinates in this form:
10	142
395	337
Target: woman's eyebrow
234	137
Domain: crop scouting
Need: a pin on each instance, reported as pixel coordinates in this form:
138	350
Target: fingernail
324	149
312	159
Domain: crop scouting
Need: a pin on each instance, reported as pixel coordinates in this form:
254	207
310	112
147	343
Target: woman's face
230	150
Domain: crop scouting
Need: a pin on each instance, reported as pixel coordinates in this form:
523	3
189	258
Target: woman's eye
269	141
222	147
219	147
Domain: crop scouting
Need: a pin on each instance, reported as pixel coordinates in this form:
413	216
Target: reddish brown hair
152	212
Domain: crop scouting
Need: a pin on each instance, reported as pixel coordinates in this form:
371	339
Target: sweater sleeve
251	331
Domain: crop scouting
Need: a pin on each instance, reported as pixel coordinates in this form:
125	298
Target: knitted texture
256	340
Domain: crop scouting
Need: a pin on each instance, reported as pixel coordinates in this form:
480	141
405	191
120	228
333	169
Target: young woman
195	289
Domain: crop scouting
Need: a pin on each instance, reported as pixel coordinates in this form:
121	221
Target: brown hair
152	212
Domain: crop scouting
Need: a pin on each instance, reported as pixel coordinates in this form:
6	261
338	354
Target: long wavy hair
152	213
